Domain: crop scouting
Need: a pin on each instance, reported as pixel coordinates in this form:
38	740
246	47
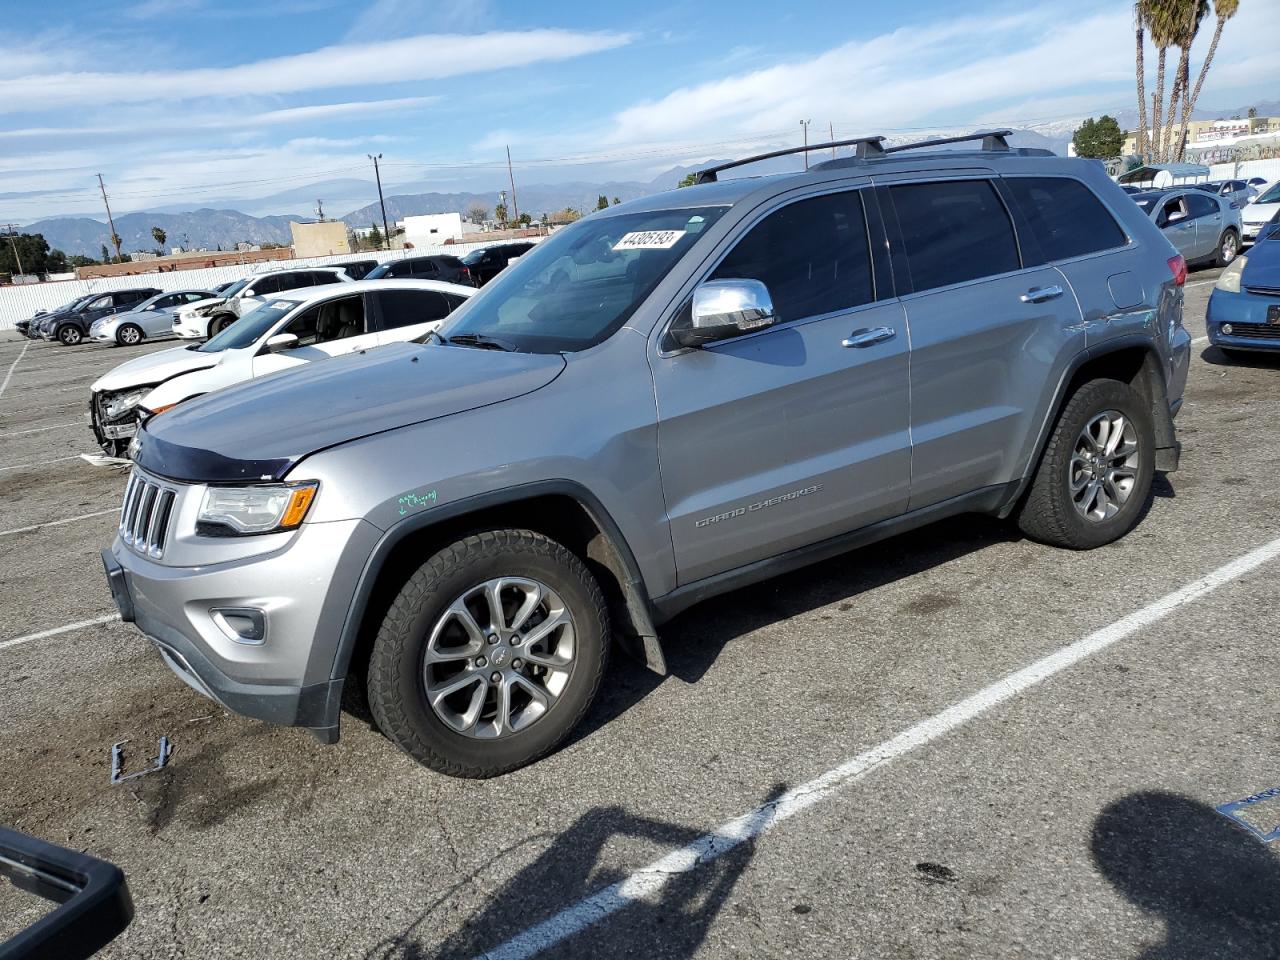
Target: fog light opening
1227	329
246	625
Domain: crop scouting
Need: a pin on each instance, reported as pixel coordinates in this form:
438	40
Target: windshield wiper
483	341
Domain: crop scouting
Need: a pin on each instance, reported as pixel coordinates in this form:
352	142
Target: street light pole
804	125
386	230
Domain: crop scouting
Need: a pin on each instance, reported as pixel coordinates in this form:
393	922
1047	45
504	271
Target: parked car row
1204	227
668	399
128	317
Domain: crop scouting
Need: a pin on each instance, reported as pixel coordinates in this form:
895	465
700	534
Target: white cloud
387	18
425	57
151	9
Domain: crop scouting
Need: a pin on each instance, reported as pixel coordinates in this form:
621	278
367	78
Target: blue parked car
1244	308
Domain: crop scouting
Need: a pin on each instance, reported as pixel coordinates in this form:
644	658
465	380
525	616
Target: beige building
1210	133
322	239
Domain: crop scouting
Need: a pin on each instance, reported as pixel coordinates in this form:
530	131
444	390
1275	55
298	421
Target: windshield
378	272
474	257
576	288
73	304
1146	201
250	328
235	288
1271	196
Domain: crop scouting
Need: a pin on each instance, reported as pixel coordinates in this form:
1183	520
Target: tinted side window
813	256
423	268
333	320
292	281
265	286
1065	216
1200	205
400	308
954	231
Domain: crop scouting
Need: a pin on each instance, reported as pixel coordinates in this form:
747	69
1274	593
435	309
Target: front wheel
129	335
220	323
1094	479
1228	248
70	335
490	655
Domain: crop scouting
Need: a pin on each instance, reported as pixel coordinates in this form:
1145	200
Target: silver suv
672	398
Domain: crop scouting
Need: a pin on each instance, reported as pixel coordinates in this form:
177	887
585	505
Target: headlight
122	403
241	511
1229	281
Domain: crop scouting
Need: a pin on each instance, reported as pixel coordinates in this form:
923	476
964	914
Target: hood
1263	266
154	368
201	305
1258	212
261	429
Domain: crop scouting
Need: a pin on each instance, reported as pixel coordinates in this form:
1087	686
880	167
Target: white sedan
300	326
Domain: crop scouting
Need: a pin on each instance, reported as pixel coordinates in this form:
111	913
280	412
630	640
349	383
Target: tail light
466	274
1178	267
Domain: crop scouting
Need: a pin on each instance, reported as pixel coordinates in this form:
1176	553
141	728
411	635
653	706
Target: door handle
1041	294
868	336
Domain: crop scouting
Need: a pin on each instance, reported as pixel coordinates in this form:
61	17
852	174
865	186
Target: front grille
1256	331
145	516
1264	291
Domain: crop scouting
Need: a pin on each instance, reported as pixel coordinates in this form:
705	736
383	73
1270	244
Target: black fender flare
1168	449
644	645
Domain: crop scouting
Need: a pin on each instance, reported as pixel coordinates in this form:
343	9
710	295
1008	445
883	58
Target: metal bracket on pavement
117	761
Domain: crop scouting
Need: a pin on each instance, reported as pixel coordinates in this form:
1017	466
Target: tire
130	335
1228	248
399	672
69	335
220	323
1050	512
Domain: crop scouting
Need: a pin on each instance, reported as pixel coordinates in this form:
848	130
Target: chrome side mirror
281	342
722	309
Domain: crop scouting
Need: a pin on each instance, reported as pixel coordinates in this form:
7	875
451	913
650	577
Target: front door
1174	219
781	438
325	330
1207	214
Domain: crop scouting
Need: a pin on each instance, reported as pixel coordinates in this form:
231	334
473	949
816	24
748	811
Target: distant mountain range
211	228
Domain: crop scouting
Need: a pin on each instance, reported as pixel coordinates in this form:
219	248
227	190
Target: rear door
784	437
405	314
986	331
327	329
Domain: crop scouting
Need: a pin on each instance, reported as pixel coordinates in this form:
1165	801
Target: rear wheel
69	335
129	335
490	655
1094	479
1228	248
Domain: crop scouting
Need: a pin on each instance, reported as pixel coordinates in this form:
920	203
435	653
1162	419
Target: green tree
688	180
1224	10
602	202
106	255
1101	139
375	237
26	253
78	260
500	214
159	236
525	220
616	201
544	218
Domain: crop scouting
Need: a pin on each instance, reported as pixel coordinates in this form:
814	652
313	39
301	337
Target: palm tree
1139	29
1225	10
1161	24
1187	17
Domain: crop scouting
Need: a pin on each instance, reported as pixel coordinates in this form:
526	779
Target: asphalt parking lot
1066	813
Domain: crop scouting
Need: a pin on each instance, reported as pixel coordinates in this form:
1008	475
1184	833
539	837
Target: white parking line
1204	339
1200	283
56	426
647	881
58	523
38	463
9	376
66	628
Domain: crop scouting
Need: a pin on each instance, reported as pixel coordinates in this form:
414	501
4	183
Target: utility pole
515	207
831	130
11	230
804	125
386	230
320	210
115	237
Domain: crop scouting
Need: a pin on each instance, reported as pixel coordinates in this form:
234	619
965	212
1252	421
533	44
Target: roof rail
991	140
867	147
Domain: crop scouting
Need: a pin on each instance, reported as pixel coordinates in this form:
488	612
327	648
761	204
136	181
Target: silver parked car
1238	192
669	399
1203	227
149	320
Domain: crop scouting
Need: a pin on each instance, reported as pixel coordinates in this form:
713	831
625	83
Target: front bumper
303	590
1246	313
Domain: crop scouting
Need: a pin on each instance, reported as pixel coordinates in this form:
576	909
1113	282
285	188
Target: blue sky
191	102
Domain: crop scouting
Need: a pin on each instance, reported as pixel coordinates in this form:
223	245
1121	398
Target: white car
300	326
208	318
1259	211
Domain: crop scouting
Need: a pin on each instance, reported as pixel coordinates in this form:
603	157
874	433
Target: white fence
20	302
1269	170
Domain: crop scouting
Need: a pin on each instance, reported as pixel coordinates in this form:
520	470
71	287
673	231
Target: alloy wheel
499	657
1230	247
129	336
1104	466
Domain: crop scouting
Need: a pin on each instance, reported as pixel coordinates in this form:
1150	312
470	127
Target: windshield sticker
416	500
649	240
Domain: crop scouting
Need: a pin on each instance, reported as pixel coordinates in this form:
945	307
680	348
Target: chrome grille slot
145	516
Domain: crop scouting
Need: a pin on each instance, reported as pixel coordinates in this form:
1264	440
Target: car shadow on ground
1216	888
670	921
1256	359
